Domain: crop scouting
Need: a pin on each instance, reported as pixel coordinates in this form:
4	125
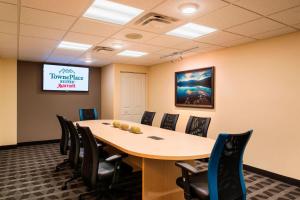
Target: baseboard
285	179
28	144
38	142
8	147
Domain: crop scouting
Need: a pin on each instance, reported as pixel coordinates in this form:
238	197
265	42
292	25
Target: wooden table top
173	145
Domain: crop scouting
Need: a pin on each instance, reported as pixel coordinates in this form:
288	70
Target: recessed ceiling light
117	46
132	53
191	31
112	12
88	61
74	46
188	8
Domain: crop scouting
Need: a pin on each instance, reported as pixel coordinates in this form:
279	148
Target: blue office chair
88	114
224	179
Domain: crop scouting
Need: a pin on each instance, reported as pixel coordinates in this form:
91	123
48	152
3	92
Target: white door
132	96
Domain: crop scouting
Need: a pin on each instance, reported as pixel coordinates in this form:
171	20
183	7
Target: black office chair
224	179
64	142
198	126
94	170
75	154
147	118
88	114
169	121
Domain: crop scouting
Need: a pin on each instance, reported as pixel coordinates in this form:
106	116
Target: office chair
75	154
169	121
94	170
198	126
147	118
64	142
224	179
88	114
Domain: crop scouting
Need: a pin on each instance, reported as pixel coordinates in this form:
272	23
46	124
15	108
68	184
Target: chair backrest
225	168
89	169
64	140
88	114
147	118
169	121
198	126
75	145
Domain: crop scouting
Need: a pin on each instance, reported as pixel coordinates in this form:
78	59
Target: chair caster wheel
64	187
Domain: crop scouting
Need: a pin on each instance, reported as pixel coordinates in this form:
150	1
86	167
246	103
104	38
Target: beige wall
8	102
107	92
257	87
37	109
110	87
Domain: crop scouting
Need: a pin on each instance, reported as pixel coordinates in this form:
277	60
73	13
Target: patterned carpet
28	173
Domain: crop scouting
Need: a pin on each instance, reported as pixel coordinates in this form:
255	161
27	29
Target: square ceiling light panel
74	46
112	12
129	53
191	31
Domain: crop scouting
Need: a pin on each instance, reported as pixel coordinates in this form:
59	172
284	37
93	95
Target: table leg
159	180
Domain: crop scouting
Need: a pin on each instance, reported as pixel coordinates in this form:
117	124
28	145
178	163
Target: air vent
155	18
134	36
101	48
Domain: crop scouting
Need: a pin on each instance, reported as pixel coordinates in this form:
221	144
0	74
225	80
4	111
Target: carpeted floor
28	173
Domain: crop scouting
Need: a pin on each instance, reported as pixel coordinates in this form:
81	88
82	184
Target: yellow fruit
124	127
135	129
116	124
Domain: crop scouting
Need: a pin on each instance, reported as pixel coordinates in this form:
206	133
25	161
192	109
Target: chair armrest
187	167
113	158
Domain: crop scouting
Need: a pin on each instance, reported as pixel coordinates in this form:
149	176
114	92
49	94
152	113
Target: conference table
155	151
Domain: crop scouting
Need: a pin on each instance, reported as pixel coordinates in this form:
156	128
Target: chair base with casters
62	165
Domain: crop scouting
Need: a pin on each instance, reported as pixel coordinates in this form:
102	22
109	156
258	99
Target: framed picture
195	88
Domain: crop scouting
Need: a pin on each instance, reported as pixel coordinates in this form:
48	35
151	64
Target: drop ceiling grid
230	3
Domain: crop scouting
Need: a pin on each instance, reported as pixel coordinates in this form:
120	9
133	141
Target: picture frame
195	88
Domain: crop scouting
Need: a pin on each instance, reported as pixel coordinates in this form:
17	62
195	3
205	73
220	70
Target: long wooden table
157	156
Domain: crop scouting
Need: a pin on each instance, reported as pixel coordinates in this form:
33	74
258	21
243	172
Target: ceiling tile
8	27
83	38
171	8
8	12
256	27
267	7
238	42
30	47
9	1
226	17
34	55
146	36
66	52
191	44
60	58
145	5
290	16
274	33
46	19
166	41
144	48
67	7
93	27
41	32
166	51
219	38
